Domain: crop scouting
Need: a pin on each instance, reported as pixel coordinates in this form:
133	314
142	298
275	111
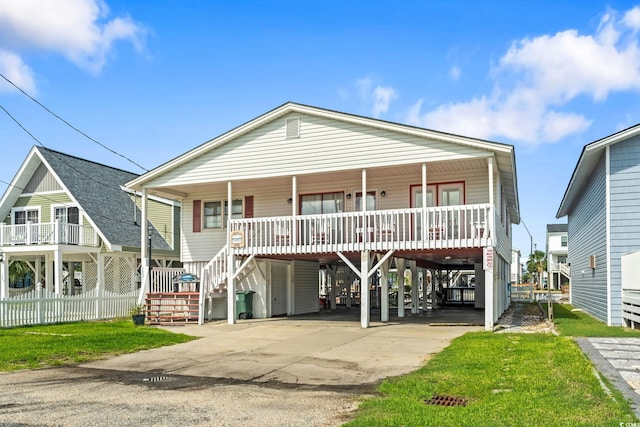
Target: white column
57	271
400	265
491	201
384	291
424	202
364	288
48	272
100	286
144	252
294	210
363	206
38	273
415	295
489	298
333	272
4	276
231	286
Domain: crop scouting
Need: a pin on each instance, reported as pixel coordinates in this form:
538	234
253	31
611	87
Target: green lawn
39	346
579	324
507	380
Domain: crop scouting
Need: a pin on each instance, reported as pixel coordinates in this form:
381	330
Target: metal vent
292	128
440	400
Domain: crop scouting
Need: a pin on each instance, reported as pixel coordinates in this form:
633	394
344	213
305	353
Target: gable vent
292	128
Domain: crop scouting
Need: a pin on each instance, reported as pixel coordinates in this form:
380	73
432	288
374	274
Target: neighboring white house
516	271
270	203
602	204
69	217
558	272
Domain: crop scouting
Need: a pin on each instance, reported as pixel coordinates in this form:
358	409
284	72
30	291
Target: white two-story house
558	271
300	189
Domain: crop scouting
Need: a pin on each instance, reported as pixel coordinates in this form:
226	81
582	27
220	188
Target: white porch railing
47	234
561	267
41	306
214	274
631	308
162	279
443	227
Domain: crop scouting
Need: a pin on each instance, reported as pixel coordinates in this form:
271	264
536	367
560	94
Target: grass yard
507	380
39	346
579	324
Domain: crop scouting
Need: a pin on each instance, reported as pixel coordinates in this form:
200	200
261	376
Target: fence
522	293
162	279
41	306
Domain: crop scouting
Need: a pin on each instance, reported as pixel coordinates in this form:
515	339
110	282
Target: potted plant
137	312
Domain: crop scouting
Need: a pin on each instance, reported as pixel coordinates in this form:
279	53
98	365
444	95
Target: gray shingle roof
556	228
97	189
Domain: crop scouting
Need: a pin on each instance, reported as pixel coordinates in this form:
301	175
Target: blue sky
152	80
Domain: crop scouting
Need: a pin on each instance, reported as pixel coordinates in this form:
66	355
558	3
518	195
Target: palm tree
537	264
18	270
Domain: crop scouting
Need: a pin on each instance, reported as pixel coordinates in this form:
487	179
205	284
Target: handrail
439	227
50	233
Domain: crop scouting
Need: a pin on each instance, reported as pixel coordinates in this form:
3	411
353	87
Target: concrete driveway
302	351
273	372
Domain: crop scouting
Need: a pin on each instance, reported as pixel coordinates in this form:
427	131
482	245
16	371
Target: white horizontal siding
324	145
305	287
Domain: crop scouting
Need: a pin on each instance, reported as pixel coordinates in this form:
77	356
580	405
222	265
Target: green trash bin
244	304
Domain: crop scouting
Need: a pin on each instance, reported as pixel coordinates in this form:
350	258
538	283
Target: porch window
215	213
25	216
371	201
444	194
324	203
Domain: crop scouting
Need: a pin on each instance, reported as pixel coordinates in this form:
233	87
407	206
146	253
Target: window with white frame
215	212
563	241
66	214
26	215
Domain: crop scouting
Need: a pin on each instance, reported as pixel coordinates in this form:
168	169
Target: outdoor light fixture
349	196
383	193
289	200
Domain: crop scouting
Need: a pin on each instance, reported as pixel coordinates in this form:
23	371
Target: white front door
279	288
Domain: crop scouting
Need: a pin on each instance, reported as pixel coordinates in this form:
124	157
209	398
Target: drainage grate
156	379
440	400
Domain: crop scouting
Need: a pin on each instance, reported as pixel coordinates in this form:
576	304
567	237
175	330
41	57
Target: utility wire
62	159
69	124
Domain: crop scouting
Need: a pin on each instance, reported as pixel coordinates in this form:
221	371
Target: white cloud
80	30
455	72
12	66
537	77
382	97
378	96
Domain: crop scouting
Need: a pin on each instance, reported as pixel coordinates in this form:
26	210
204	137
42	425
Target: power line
70	125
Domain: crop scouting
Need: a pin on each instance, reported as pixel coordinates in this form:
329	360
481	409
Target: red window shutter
197	216
248	207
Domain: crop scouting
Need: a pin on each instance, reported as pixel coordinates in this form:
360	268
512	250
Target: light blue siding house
602	203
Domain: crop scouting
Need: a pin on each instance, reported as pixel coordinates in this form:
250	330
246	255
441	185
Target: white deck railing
443	227
214	274
47	234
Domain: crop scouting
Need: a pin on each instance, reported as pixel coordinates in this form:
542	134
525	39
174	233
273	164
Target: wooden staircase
168	308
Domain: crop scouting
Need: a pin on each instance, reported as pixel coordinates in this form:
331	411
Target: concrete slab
303	351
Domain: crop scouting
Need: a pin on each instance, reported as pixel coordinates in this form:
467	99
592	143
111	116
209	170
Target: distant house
602	204
301	191
516	271
75	225
558	272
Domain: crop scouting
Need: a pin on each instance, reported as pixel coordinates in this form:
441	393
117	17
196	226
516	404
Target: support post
231	264
364	289
424	203
4	276
57	268
415	295
294	210
400	266
384	290
144	250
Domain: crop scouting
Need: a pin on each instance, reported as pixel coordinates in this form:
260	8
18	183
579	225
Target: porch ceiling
340	175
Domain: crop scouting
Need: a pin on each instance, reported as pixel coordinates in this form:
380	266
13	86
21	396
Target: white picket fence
41	306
